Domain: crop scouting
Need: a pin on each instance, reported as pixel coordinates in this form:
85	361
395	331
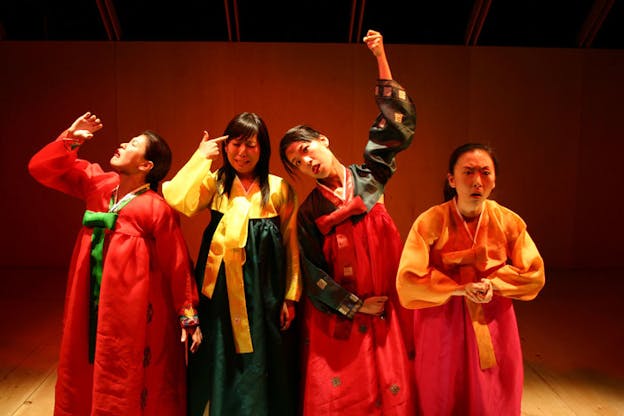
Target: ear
146	166
324	140
451	180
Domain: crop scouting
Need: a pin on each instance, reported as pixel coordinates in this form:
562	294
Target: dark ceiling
522	23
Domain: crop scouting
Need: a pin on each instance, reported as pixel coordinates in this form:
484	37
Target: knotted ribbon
99	221
345	263
327	222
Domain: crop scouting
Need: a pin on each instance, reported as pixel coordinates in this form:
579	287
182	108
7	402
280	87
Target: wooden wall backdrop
553	115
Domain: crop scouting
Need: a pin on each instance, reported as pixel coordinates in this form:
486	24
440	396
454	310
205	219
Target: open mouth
316	168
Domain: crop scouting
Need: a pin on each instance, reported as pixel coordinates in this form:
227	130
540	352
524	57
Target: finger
206	136
219	139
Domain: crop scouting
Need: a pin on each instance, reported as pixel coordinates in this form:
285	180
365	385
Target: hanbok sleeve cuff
350	305
188	317
71	143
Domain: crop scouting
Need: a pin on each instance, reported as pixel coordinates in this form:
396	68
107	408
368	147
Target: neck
470	210
246	179
128	183
335	177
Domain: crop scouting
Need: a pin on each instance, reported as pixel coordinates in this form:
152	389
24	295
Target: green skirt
264	382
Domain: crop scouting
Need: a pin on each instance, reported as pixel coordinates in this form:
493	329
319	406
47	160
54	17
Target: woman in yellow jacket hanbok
247	272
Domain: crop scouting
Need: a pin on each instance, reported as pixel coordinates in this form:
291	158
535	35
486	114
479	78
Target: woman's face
311	158
243	154
129	158
473	177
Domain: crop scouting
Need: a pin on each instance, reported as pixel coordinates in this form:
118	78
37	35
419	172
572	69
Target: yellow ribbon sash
228	246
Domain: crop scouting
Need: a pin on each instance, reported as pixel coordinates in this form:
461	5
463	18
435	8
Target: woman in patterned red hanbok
355	358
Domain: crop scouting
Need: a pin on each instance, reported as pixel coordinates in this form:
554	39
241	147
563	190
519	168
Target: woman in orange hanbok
463	263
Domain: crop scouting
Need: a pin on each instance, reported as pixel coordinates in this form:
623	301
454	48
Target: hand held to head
210	148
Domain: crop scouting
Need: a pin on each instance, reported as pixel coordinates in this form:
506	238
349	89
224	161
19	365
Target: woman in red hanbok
130	286
355	359
463	263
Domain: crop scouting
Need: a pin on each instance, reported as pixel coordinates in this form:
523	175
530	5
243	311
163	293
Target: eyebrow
298	150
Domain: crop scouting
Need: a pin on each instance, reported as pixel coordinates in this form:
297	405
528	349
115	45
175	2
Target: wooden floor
572	338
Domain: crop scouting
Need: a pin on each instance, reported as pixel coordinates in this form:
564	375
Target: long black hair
244	126
158	152
450	192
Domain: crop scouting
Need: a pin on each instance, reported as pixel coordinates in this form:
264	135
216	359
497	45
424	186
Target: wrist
71	142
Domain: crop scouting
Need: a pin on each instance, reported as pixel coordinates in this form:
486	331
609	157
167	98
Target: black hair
158	152
450	192
299	133
242	127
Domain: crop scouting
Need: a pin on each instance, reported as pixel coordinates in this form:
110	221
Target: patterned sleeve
392	131
322	290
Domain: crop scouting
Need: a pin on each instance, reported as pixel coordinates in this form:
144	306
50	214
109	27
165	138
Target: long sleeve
193	187
419	283
175	263
58	168
392	131
321	288
439	256
287	211
524	276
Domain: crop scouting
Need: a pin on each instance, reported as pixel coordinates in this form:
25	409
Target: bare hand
479	292
197	337
375	305
287	314
210	148
83	128
374	41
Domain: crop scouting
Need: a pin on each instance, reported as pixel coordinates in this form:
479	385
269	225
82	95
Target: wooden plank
41	401
582	392
539	399
18	385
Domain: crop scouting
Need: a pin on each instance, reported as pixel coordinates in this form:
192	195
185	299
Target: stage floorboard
572	336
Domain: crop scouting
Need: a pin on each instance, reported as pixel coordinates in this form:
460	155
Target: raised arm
193	187
82	129
57	165
374	41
